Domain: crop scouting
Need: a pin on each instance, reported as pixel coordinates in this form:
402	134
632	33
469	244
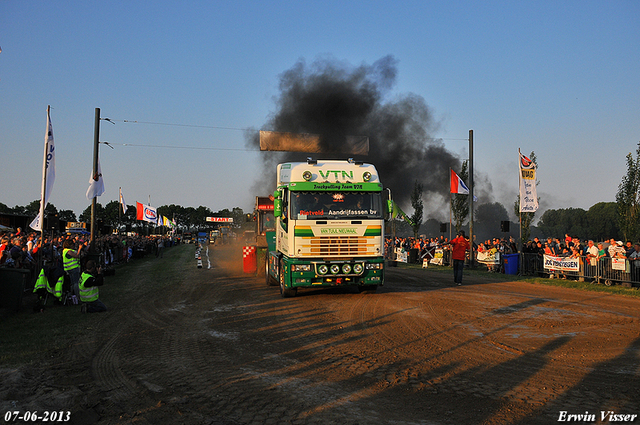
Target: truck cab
329	226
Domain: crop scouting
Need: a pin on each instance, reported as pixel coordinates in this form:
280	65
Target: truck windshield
267	221
335	205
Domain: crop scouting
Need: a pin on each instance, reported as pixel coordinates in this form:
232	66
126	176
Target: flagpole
119	208
96	143
519	200
44	176
471	259
450	202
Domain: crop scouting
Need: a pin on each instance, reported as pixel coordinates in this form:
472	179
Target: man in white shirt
592	258
618	250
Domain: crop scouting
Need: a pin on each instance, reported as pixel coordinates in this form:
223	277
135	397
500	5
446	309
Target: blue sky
558	78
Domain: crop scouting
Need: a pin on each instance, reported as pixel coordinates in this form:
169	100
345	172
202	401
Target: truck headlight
374	266
357	268
335	269
323	269
301	267
346	268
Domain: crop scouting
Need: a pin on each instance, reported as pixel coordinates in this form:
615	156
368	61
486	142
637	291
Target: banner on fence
561	263
437	257
619	264
488	257
401	255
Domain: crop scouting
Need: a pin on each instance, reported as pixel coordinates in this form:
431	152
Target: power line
180	147
233	128
183	125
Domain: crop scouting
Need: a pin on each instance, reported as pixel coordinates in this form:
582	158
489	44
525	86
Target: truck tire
285	292
267	277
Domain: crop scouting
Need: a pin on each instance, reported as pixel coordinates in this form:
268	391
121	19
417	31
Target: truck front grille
336	246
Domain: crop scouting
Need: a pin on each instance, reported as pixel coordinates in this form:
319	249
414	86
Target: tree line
111	215
605	220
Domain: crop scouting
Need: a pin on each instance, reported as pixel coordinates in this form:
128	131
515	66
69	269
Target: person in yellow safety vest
42	286
71	263
89	282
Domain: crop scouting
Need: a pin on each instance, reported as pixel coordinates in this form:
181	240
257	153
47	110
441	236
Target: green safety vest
69	263
43	283
57	291
90	294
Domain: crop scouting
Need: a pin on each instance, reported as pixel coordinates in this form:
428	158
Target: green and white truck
329	226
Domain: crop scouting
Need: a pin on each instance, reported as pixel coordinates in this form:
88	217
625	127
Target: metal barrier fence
605	270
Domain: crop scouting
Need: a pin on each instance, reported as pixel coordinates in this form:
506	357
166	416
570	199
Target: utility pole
471	259
96	143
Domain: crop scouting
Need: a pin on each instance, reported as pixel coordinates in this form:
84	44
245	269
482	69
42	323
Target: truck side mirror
277	208
277	203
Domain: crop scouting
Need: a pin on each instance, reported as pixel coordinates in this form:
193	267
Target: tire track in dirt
219	346
108	372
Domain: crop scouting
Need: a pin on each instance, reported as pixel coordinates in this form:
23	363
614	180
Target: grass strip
27	337
568	283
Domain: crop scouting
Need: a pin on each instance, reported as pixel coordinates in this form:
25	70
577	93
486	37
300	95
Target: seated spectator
90	280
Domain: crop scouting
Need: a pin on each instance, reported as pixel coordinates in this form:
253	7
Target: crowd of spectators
426	246
588	253
569	246
574	247
25	251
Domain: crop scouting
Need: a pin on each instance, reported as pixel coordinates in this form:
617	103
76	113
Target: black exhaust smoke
334	100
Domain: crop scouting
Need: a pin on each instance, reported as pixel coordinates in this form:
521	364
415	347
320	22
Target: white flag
48	173
96	184
124	205
528	192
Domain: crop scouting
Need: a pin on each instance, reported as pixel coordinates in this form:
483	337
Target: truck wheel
267	277
285	292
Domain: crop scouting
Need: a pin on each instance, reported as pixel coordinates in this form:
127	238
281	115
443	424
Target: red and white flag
457	185
146	213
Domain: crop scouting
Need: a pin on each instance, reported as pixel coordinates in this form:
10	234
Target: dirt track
221	347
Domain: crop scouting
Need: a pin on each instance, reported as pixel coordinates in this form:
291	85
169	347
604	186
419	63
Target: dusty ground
221	347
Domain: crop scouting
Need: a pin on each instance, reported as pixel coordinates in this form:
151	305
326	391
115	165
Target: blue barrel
511	262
